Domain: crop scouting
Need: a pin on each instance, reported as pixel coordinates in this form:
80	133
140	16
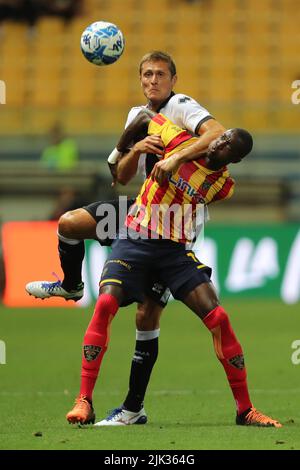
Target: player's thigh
78	224
183	272
125	267
148	315
109	216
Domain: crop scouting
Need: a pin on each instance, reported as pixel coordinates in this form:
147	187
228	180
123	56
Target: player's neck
153	105
214	166
158	105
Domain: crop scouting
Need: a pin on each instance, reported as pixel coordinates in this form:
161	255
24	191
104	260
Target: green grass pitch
189	404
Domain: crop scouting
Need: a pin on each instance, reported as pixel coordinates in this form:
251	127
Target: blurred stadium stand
238	58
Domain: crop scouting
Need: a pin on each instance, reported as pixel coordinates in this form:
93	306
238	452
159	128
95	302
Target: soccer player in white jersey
158	78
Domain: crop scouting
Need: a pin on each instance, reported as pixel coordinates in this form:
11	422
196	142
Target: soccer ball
102	43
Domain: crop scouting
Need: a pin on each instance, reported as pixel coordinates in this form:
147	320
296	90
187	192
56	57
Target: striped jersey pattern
170	211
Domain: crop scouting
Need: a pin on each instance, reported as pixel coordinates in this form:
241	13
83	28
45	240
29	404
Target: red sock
95	342
230	354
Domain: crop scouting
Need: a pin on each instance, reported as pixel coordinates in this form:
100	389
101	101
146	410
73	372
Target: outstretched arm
209	131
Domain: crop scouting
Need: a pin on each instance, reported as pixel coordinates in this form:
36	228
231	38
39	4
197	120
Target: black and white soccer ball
102	43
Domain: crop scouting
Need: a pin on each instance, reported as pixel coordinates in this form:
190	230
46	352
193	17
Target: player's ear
174	80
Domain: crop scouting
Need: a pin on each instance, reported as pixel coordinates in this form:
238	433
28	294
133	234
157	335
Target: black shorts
99	211
155	289
131	262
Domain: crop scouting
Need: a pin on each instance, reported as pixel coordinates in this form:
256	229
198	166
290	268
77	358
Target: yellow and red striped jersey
169	211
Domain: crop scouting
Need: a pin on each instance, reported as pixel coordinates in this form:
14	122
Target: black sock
143	361
71	257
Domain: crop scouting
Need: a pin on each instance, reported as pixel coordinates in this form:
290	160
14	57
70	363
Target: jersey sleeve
187	112
141	169
132	114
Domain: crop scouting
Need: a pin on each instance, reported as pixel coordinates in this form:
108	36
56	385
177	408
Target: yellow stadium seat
12	29
42	118
79	121
46	92
49	27
12	120
79	94
15	90
256	91
289	119
237	58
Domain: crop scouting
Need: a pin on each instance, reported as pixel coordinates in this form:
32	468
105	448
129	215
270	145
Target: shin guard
230	354
96	341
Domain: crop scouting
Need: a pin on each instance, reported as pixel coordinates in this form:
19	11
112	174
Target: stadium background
237	58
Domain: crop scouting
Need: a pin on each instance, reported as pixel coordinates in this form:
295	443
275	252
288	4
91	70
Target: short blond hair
156	56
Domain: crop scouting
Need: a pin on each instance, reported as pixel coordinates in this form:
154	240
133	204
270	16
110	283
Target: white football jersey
181	109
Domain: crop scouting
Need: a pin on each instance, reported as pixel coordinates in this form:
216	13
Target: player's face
222	149
156	81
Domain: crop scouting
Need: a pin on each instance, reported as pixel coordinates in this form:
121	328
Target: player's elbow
212	128
123	179
218	130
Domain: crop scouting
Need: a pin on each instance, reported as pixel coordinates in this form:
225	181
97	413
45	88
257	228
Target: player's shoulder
185	105
133	112
181	98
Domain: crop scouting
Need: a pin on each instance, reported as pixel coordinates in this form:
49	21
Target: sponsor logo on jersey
184	185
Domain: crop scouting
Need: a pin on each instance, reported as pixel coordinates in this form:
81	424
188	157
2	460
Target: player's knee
215	317
209	305
203	299
146	319
67	224
106	307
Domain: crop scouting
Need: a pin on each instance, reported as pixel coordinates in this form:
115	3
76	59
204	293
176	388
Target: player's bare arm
136	132
208	132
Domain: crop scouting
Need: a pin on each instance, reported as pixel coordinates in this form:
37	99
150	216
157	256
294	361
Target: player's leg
81	224
204	302
146	351
145	354
95	344
73	228
189	281
122	282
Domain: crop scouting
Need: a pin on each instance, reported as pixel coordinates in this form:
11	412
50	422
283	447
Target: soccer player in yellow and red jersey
198	182
125	273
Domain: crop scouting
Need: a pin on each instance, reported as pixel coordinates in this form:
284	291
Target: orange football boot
82	412
253	417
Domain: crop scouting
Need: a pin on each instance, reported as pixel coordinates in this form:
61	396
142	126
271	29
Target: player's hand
164	168
151	144
113	171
